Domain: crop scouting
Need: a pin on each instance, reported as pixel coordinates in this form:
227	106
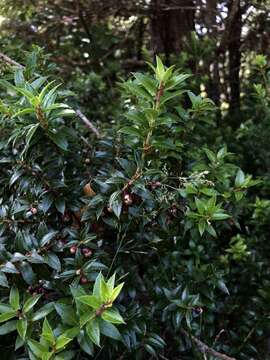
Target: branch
9	61
87	123
205	349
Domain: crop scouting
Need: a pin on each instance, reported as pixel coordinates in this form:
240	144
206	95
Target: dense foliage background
118	166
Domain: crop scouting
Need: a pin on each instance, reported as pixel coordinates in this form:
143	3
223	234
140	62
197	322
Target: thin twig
9	61
205	349
88	123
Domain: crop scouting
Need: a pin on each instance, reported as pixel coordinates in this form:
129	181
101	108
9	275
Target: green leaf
200	205
50	97
110	284
116	291
220	216
91	300
37	348
72	332
147	82
8	327
45	90
211	203
18	77
67	313
48	237
47	355
7	316
14	298
87	316
3	280
28	95
47	202
160	71
239	195
211	156
115	203
64	113
19	342
168	74
211	230
150	350
37	83
43	311
24	112
60	205
168	96
66	355
97	285
30	133
53	261
112	316
27	273
109	330
201	226
128	130
5	308
59	139
85	343
22	328
47	332
62	341
240	178
104	291
221	285
30	303
93	331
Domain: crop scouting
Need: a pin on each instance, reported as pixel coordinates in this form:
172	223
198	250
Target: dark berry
83	280
155	184
87	252
33	210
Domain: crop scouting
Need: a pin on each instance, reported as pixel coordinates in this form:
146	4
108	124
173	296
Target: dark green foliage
150	201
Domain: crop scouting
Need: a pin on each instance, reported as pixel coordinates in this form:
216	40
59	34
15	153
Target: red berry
155	184
128	199
33	210
198	310
73	249
41	290
30	289
173	210
83	280
87	252
66	217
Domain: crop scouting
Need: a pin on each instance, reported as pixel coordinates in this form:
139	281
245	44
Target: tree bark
170	22
234	43
214	75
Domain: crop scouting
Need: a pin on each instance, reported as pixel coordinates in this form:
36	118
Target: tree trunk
170	22
234	43
214	75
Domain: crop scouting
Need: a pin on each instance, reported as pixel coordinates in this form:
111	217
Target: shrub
148	204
